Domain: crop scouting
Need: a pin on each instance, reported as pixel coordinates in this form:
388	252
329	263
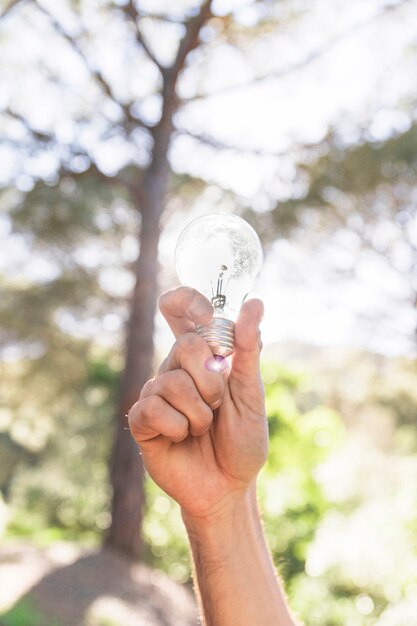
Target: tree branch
35	134
133	14
301	64
142	41
76	151
9	8
168	19
191	37
189	41
98	76
220	145
95	73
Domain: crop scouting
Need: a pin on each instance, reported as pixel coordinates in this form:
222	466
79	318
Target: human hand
203	434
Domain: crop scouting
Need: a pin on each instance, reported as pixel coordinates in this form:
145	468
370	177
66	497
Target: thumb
248	345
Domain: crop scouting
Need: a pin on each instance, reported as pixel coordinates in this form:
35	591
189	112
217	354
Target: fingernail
200	308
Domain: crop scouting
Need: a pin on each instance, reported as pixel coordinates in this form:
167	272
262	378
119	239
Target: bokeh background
120	122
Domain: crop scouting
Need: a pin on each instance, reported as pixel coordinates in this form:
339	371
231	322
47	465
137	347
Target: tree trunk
126	470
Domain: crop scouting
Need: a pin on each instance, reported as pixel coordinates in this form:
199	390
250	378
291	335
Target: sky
361	74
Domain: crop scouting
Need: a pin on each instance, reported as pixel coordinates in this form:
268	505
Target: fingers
169	405
191	353
179	390
181	399
248	345
153	416
183	308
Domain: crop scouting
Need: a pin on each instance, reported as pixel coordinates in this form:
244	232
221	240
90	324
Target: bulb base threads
219	334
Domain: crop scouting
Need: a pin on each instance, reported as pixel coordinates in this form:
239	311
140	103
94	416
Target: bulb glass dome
220	256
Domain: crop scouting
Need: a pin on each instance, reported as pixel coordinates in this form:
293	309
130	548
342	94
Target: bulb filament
219	299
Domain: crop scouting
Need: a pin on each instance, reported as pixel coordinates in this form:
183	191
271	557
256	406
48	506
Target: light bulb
220	256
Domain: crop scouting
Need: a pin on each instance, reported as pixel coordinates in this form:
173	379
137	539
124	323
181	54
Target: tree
147	195
125	107
112	116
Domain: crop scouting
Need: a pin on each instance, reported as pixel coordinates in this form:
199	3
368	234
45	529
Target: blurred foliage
53	378
293	499
337	495
58	471
24	614
360	180
352	202
358	191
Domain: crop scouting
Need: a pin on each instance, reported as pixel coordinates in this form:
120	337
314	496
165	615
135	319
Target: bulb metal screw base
219	334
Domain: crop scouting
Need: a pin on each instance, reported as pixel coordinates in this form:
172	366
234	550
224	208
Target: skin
203	437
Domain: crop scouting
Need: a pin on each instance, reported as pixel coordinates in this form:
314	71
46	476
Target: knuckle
163	300
175	382
164	365
132	416
188	294
157	406
175	297
195	300
147	387
137	418
182	432
151	407
213	392
202	423
190	343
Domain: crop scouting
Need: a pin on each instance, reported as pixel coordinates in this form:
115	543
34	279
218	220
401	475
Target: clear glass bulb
220	256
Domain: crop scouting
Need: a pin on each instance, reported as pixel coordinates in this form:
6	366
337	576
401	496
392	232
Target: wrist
218	527
234	569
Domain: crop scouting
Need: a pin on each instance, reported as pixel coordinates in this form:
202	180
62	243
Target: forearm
236	579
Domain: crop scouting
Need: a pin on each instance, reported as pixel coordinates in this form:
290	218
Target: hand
203	434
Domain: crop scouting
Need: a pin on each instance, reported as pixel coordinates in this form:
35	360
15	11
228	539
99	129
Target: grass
43	537
24	614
